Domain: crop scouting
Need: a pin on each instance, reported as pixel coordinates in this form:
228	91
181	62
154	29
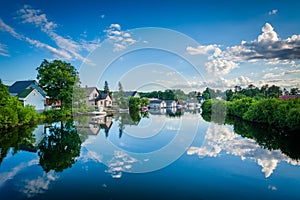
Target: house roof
129	94
102	96
23	87
19	86
90	90
25	93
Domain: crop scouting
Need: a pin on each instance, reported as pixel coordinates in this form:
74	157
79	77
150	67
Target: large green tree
58	78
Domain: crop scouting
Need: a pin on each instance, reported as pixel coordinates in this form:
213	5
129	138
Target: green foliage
79	102
293	118
239	107
144	102
135	115
282	114
215	110
134	103
206	106
14	138
12	113
237	97
166	95
229	94
27	115
58	78
55	115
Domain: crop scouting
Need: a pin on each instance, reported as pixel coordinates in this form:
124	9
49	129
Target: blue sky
218	44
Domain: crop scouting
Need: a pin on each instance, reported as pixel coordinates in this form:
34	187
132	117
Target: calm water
160	155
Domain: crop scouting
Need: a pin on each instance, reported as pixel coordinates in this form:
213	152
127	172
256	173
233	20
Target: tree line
252	91
281	114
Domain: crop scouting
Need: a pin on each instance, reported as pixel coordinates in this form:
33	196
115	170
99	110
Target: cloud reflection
33	187
5	176
120	161
220	138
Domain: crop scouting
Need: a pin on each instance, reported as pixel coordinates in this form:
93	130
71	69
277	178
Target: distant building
29	93
284	97
171	104
129	94
157	104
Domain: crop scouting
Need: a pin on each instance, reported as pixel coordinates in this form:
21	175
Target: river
162	154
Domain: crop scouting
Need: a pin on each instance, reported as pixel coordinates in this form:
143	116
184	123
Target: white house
171	104
29	93
157	104
32	97
104	101
92	94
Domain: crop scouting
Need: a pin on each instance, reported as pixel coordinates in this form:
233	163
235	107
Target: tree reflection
60	148
128	119
174	113
265	135
269	137
135	116
15	138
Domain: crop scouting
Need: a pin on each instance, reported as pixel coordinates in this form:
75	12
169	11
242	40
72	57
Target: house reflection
127	119
37	136
157	111
89	125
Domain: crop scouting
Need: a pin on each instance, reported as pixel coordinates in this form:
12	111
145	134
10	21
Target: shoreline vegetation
12	113
60	81
281	114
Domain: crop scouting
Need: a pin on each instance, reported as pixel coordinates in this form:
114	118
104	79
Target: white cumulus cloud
268	46
121	39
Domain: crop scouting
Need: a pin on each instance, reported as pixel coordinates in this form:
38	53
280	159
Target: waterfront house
171	104
104	101
92	94
157	104
29	93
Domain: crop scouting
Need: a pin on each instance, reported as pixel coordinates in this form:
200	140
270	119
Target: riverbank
282	114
